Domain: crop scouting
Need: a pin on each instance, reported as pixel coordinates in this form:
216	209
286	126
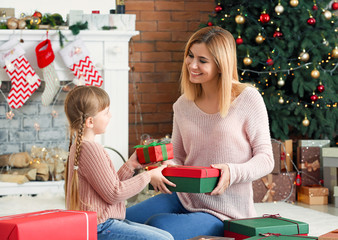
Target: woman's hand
159	181
224	180
132	162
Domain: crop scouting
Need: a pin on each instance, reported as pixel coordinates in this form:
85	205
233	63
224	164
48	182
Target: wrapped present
330	152
50	224
280	236
321	143
282	154
308	160
330	180
250	227
192	179
154	152
333	235
275	187
313	195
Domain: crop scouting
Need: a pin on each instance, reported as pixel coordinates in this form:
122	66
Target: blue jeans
126	230
166	212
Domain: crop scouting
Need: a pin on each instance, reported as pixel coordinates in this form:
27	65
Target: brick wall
156	60
19	134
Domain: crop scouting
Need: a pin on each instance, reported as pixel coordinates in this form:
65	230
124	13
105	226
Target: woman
218	122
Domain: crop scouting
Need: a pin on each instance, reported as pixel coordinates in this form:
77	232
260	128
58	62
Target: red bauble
269	62
239	41
277	34
311	21
298	180
320	88
210	24
265	18
315	7
37	14
218	8
335	5
314	97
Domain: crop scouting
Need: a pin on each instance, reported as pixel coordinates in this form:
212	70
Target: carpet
319	222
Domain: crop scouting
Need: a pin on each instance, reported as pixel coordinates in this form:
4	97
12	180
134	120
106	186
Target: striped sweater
241	140
101	188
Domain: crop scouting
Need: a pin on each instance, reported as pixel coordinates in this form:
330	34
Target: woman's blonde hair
222	47
81	102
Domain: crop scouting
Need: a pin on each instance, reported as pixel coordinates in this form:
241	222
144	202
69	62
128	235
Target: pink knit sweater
101	188
241	140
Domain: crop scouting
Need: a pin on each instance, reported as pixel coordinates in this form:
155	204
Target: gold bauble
21	24
281	100
247	61
334	52
259	39
327	14
240	19
294	3
306	122
281	82
12	23
304	56
35	21
315	73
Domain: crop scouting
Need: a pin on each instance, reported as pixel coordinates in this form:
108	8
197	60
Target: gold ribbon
269	185
311	166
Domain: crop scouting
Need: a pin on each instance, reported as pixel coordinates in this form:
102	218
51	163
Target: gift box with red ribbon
192	179
154	152
50	224
250	227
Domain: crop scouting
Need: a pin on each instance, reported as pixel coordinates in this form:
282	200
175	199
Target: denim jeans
166	212
115	229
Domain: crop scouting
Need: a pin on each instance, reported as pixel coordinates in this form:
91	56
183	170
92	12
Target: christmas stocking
23	78
76	57
45	57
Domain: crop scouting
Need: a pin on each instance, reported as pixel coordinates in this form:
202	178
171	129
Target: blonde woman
218	122
92	184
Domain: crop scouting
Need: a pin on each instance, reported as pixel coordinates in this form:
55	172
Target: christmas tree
289	51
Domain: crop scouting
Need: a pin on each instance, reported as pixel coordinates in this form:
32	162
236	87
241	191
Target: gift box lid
280	236
314	190
189	171
314	143
266	224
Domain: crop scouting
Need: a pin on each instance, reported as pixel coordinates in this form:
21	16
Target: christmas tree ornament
320	87
294	3
279	9
314	97
304	56
218	8
306	122
325	42
76	56
315	73
247	61
45	58
37	14
298	177
334	52
210	24
281	82
239	40
12	23
315	7
281	100
277	33
327	14
21	23
264	17
240	19
311	21
10	115
24	80
259	39
35	21
269	62
335	5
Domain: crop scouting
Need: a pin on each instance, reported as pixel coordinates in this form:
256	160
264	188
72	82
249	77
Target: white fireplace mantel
109	52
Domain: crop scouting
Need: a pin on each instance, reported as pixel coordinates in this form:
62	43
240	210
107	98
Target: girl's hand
159	181
132	162
224	179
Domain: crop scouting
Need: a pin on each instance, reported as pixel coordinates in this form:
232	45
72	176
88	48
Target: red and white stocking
76	56
45	57
23	78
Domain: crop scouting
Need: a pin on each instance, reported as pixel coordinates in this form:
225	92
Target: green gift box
249	227
192	179
269	236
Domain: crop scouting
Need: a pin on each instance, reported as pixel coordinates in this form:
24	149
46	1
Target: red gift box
50	224
189	171
154	152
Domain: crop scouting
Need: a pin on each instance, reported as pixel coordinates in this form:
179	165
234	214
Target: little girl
92	183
